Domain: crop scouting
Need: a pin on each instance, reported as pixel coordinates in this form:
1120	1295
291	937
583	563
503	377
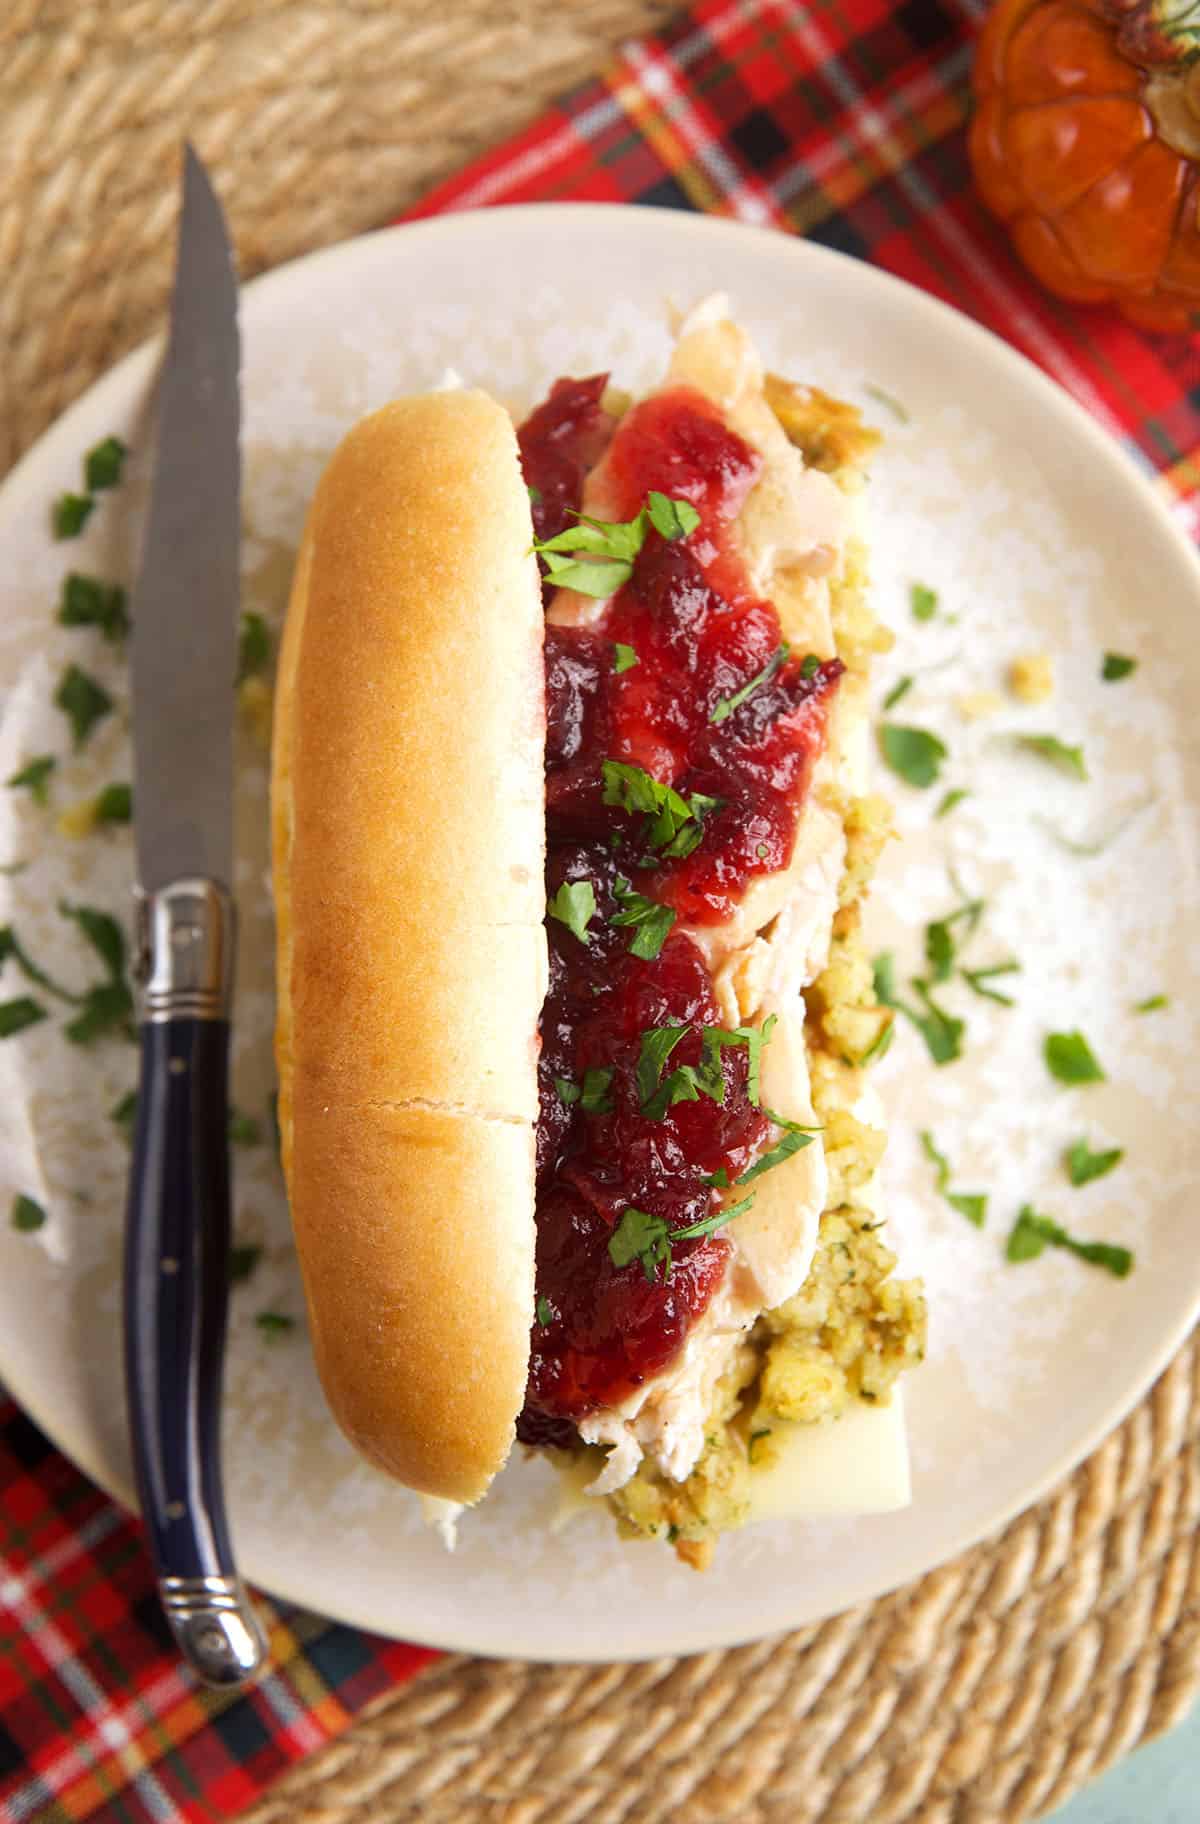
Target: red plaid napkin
842	120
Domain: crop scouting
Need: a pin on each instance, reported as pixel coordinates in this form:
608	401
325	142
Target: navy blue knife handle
176	1277
177	1273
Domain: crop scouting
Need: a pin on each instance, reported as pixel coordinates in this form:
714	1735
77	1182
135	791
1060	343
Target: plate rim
136	369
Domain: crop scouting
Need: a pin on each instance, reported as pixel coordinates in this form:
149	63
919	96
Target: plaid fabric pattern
838	119
98	1718
843	120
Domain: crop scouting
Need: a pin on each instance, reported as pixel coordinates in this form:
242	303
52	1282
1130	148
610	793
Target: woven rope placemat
990	1690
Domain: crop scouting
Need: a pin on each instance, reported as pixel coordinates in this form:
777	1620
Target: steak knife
177	1236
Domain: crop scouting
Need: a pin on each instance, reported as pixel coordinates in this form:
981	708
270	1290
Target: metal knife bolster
217	1630
185	943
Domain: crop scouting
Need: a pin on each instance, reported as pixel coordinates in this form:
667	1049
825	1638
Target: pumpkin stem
1157	34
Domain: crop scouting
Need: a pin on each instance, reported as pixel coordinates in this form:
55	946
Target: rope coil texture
990	1690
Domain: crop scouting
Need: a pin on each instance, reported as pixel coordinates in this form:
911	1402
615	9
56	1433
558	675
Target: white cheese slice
857	1464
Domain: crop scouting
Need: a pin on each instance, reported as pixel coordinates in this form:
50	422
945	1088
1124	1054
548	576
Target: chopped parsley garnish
672	518
1083	1164
650	922
11	945
657	1044
33	777
978	979
545	1311
923	601
274	1323
102	932
1152	1004
70	514
941	1032
727	705
688	1082
941	941
114	804
243	1258
952	800
1069	1057
899	690
971	1204
674	825
913	754
1032	1234
254	646
124	1112
1056	753
646	1238
27	1215
87	602
574	905
16	1015
535	494
624	657
107	1007
594	1097
641	1236
102	464
879	1047
795	1138
810	665
754	1445
82	701
244	1130
604	550
888	401
1116	666
567	1092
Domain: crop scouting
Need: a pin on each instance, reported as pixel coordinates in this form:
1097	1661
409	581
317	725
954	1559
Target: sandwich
571	837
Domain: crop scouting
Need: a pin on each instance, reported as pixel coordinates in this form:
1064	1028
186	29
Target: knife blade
185	602
177	1233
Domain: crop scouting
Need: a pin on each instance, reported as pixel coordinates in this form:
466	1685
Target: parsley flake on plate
87	602
624	657
103	464
1151	1004
1083	1165
913	754
27	1214
70	514
1056	753
923	601
1033	1233
17	1014
243	1258
899	690
952	799
33	777
978	980
971	1204
82	701
254	646
1116	666
274	1323
1070	1059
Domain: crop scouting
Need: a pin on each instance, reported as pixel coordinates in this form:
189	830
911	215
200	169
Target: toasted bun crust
409	832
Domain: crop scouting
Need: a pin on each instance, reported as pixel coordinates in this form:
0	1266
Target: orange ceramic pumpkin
1086	142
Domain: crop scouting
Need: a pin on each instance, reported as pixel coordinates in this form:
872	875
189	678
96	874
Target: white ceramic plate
1038	535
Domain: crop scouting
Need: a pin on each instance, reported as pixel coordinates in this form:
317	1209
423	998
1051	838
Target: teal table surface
1158	1784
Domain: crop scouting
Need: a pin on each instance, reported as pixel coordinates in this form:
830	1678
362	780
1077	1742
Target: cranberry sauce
714	708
